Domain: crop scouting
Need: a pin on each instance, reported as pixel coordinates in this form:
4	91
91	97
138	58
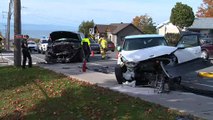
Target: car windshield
207	41
32	43
140	43
92	41
44	41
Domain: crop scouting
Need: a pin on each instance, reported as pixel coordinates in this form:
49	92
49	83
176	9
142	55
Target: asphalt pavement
101	72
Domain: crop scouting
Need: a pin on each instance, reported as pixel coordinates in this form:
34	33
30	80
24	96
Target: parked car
111	46
207	48
143	59
42	45
94	46
32	45
64	46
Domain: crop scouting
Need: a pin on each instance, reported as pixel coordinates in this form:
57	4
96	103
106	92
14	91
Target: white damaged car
143	59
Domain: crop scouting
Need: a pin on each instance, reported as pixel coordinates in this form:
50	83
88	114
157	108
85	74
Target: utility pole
4	29
17	31
8	25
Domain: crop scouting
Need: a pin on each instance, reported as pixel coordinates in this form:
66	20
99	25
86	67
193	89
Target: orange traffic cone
92	53
84	66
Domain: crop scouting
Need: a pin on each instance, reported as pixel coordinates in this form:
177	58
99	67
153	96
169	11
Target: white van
42	45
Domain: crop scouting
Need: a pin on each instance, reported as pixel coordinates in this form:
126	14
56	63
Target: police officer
1	38
26	52
86	47
103	46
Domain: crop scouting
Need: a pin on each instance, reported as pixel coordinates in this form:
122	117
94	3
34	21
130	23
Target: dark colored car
207	48
94	46
111	46
64	46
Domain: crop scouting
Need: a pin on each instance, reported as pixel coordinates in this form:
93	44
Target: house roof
101	28
202	23
162	24
114	28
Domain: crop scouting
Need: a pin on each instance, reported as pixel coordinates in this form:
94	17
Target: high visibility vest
85	40
1	38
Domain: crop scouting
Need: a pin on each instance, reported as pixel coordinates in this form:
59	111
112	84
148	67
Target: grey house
117	31
203	26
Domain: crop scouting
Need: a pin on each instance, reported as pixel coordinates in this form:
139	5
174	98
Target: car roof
143	36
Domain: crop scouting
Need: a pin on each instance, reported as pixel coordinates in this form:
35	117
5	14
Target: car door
188	48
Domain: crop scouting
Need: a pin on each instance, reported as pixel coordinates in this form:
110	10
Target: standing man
86	47
1	38
26	52
103	46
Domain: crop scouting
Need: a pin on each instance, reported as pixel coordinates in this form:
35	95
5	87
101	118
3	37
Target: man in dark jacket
25	52
86	47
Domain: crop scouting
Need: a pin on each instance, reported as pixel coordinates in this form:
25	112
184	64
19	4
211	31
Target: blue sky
73	12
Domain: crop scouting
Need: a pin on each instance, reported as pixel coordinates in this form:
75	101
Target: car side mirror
119	48
181	46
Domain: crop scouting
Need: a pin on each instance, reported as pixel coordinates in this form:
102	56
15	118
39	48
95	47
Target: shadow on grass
68	106
89	102
11	77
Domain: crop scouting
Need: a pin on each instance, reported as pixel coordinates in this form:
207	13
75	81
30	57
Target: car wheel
204	55
119	75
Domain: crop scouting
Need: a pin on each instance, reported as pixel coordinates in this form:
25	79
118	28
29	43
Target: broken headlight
131	64
128	63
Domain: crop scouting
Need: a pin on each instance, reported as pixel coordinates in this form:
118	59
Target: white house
166	27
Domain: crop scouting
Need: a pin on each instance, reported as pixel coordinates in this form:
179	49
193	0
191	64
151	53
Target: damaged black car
65	47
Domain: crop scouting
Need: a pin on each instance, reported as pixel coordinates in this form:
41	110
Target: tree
182	15
85	26
144	23
206	9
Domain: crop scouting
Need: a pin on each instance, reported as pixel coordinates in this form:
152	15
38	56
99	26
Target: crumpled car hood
147	53
63	34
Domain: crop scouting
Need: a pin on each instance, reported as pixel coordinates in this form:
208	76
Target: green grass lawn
37	93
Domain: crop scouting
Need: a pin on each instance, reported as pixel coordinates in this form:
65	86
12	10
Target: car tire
205	55
118	74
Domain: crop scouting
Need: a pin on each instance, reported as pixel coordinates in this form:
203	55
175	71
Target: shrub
172	38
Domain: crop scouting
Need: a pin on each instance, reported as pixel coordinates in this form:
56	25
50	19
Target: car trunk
63	34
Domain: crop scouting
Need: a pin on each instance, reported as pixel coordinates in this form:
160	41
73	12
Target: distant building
116	32
166	27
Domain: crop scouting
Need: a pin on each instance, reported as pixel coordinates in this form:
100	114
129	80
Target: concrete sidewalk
197	105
